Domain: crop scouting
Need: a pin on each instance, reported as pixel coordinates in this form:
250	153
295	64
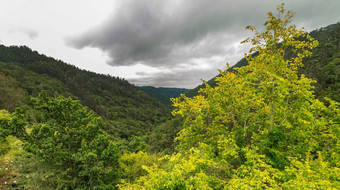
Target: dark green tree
69	138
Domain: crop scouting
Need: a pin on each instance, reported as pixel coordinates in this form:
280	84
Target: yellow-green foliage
255	173
132	164
312	173
5	114
261	127
10	149
5	117
195	169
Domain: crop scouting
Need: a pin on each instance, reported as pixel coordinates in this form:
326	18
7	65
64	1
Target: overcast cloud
32	34
183	37
169	33
170	43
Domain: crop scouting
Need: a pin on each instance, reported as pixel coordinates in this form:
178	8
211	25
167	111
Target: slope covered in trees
51	142
259	127
128	110
164	94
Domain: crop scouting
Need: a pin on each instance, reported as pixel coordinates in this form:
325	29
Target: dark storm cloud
169	34
166	33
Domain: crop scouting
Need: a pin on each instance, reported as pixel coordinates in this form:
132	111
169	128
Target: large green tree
261	127
68	138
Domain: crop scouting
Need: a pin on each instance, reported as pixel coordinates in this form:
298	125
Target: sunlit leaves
261	120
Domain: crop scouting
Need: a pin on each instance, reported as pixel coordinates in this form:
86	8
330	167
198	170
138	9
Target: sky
162	43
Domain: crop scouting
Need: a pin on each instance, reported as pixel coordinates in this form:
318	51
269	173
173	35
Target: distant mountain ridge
164	94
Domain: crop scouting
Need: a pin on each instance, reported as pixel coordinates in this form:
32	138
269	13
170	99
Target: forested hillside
164	94
128	110
65	136
323	66
263	124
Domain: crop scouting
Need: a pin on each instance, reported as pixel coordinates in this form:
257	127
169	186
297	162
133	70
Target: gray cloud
188	78
168	34
32	34
185	75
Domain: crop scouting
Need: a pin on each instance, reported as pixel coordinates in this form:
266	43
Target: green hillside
267	125
324	64
164	94
25	73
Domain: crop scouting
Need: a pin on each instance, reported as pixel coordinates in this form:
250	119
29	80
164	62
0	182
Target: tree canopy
66	136
260	127
264	125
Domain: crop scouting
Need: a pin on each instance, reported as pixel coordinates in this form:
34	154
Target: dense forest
164	94
270	122
128	110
